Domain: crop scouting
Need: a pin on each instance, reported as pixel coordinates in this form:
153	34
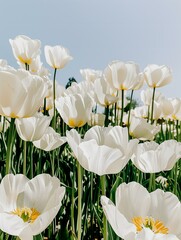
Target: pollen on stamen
148	222
27	214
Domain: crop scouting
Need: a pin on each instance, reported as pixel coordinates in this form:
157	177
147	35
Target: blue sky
99	31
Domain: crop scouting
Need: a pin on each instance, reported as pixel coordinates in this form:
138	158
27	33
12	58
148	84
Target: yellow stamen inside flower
27	214
155	225
73	123
23	60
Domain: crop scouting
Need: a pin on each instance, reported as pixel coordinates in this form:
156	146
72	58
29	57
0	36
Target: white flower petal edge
118	222
33	205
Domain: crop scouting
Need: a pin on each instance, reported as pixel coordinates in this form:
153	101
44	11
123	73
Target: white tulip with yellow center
150	157
21	93
57	56
141	129
25	49
140	215
104	150
105	95
75	109
32	128
157	76
27	207
123	76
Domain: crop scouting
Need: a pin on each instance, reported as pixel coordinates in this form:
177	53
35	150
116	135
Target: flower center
27	214
155	225
73	123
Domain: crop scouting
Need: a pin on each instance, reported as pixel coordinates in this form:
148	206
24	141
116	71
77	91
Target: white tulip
141	215
27	207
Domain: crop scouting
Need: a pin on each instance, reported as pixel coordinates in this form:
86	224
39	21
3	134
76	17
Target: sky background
97	32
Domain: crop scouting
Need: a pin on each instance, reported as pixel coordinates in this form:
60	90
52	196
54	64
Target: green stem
24	157
103	187
152	105
122	107
106	123
129	114
54	97
10	146
73	201
151	182
79	220
31	160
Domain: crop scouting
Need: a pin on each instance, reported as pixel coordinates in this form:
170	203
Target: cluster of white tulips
83	162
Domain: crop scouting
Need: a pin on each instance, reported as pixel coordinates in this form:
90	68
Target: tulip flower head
150	157
50	140
25	49
75	109
157	76
32	128
27	207
140	215
104	150
21	93
123	76
57	57
90	75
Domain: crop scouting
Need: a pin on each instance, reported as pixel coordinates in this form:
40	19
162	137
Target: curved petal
11	185
100	159
132	200
118	222
166	207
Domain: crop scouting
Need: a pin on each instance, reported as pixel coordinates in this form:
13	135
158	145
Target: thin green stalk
31	160
54	97
106	122
122	107
10	146
73	201
129	114
151	182
103	187
152	105
91	205
79	220
24	157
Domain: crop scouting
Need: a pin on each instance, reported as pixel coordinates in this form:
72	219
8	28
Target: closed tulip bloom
104	150
157	76
90	75
27	207
105	95
150	157
21	94
75	109
32	128
57	57
50	140
141	129
25	48
140	215
176	114
122	76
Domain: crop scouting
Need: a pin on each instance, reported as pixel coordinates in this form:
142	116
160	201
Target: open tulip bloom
27	207
150	157
140	215
104	150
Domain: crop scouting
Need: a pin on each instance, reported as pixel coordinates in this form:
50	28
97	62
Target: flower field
87	161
